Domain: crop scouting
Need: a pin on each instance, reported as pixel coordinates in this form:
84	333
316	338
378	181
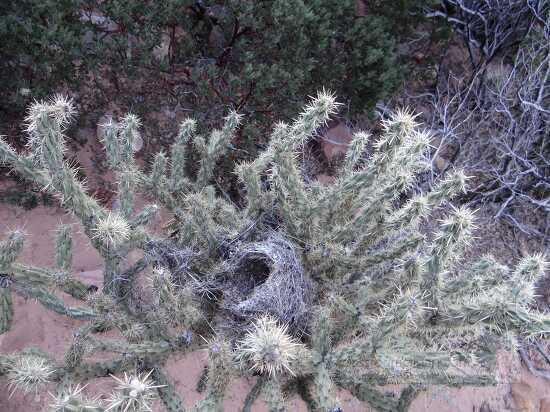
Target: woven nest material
267	277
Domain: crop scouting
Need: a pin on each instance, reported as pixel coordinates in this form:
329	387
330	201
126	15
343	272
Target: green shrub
252	56
279	51
308	287
41	41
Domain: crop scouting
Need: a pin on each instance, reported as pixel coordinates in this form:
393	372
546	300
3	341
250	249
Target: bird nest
266	277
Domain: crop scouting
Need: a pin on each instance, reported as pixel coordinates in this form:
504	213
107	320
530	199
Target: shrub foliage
207	55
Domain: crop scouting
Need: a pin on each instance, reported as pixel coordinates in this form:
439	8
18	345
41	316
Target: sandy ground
35	326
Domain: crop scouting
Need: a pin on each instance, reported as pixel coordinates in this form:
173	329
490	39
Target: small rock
335	141
441	163
522	393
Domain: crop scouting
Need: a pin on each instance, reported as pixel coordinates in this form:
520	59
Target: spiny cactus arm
41	277
454	234
112	281
355	150
137	238
389	283
333	262
397	250
220	369
253	394
324	391
79	346
22	165
143	349
52	302
321	341
368	225
6	308
348	317
157	184
217	146
408	395
164	292
120	140
352	188
499	313
228	216
158	169
419	206
345	377
86	371
410	272
397	129
10	248
273	395
111	142
129	136
363	386
46	123
404	312
70	398
406	360
367	393
349	354
204	228
64	248
115	238
315	115
143	218
290	191
178	162
127	182
530	269
188	312
167	392
251	175
371	206
483	275
527	272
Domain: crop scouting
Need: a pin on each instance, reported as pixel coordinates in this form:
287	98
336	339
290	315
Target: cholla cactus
268	348
112	230
135	393
308	287
29	372
72	399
